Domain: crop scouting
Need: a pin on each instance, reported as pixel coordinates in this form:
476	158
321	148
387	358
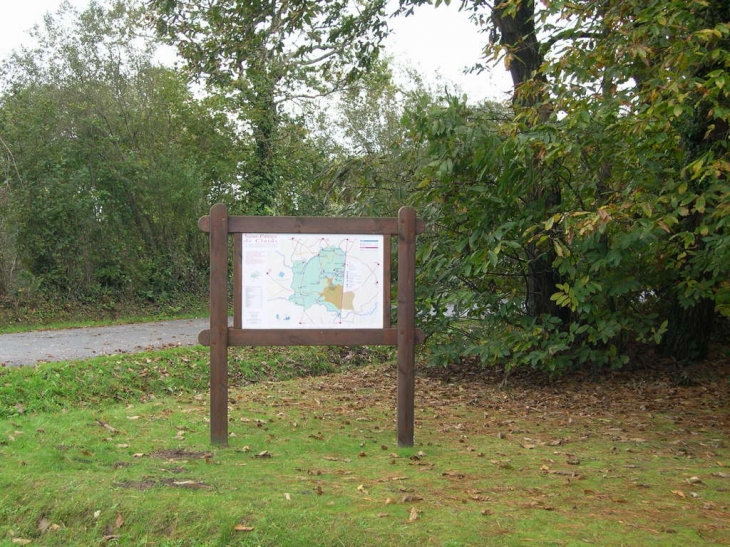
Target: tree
611	174
114	160
373	159
659	69
260	55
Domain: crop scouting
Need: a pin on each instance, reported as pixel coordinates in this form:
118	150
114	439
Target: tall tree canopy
113	160
611	179
261	54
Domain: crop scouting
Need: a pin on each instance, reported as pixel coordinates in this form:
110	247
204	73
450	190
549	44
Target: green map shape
320	281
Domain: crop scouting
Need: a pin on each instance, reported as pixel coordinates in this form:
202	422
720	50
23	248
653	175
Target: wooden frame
220	336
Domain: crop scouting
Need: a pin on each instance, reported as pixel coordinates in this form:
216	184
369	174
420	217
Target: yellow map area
334	295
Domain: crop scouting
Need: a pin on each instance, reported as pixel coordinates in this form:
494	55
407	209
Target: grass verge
312	460
69	314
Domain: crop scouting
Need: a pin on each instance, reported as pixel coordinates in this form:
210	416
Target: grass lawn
62	315
115	451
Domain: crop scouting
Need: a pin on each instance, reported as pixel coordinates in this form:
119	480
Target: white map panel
306	281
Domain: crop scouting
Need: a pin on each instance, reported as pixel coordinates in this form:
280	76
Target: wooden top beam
310	225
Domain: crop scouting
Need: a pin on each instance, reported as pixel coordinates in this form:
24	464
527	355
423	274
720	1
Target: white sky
435	41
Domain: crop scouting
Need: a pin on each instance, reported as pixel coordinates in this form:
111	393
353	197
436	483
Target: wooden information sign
334	275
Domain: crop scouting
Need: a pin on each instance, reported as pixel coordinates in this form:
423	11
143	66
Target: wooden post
237	281
406	325
219	324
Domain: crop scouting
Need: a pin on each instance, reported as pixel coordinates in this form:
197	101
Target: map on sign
301	281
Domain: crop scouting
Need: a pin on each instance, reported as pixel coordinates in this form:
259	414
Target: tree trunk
265	121
263	184
689	330
518	35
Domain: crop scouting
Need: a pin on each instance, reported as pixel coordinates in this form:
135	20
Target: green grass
62	315
123	458
131	378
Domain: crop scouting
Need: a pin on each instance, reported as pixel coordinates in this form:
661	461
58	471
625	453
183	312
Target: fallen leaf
264	454
20	541
287	496
390	501
453	474
43	525
242	528
413	514
721	475
132	417
107	426
694	480
119	521
679	493
409	498
96	514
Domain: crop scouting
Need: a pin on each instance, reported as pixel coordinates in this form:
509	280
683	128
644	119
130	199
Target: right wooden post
406	325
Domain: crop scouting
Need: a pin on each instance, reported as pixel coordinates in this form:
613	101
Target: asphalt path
29	348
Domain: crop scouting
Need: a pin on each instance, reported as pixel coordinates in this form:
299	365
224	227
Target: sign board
304	281
310	281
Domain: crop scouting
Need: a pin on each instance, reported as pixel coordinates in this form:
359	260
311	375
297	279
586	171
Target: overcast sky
434	41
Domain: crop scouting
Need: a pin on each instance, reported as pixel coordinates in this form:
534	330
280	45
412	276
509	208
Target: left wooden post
219	324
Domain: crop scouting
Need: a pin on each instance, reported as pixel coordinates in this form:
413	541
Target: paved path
28	348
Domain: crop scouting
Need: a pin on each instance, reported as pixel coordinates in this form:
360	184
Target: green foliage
256	58
597	215
113	161
372	159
